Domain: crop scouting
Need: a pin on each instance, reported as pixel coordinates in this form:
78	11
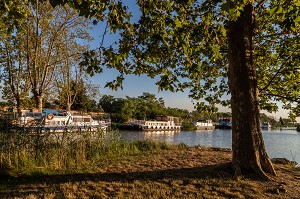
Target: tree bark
69	106
39	103
249	153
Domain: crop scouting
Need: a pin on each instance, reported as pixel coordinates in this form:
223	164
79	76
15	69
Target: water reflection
279	143
159	136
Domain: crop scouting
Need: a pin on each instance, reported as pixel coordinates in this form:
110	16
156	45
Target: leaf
273	10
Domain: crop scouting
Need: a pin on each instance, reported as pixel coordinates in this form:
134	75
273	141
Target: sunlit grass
27	153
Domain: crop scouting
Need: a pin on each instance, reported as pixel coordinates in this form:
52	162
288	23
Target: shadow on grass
10	186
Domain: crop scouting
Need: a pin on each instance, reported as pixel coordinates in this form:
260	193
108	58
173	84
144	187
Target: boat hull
205	127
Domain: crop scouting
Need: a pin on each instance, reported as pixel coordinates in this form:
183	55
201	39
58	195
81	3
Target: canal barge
204	125
161	123
59	121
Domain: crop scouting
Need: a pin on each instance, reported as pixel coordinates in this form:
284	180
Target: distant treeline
146	107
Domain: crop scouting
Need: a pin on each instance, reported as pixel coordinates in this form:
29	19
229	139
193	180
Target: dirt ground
182	173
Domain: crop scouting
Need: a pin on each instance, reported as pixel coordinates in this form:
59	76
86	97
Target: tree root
260	168
267	165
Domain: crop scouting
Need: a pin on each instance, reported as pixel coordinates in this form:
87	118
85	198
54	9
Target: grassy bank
173	173
27	153
98	165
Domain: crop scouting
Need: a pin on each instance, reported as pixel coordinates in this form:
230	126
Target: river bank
279	143
179	172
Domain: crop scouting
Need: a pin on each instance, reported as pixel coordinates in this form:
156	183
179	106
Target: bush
188	126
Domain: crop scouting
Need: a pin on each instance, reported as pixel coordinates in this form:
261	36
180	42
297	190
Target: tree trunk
18	103
39	103
69	106
249	152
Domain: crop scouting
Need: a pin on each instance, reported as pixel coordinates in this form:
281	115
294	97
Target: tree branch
284	97
277	72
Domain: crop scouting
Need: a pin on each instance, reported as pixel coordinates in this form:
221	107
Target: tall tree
242	77
48	32
69	73
86	92
12	61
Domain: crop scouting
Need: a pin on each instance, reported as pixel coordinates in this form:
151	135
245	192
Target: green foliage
146	106
188	126
85	96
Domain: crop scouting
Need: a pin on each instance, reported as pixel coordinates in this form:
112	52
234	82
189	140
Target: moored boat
161	123
204	125
58	121
266	125
224	123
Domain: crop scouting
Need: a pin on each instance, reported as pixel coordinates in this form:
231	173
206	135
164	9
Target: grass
27	153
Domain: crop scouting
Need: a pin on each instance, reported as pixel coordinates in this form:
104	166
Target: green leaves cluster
287	14
277	55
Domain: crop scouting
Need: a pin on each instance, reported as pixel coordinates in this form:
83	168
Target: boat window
77	119
87	119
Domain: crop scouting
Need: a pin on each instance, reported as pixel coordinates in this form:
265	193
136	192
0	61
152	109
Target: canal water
279	143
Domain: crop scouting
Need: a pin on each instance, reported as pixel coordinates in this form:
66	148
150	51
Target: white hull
205	127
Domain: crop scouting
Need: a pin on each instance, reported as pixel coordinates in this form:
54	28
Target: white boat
204	125
60	121
161	123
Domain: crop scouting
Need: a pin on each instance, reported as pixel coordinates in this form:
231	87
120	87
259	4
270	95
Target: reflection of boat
159	136
159	132
204	125
58	121
266	125
224	123
161	123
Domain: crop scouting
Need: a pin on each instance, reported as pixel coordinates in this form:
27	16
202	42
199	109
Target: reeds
24	153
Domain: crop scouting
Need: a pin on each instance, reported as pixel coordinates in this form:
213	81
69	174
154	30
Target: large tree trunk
247	142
